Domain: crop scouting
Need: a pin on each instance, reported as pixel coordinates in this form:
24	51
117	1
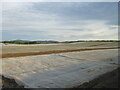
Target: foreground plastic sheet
63	70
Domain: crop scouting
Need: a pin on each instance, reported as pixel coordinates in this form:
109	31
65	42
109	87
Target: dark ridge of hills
29	42
51	41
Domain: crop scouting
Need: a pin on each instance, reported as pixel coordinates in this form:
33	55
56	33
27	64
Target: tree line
48	42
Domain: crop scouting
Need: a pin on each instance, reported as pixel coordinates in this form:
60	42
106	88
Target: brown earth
9	55
52	47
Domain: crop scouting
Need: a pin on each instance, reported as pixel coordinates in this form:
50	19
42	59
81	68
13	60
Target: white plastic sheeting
62	70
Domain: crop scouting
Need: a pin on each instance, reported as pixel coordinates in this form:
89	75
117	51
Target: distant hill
91	41
29	42
47	41
50	41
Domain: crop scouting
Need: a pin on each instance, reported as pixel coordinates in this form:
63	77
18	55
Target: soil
9	83
9	55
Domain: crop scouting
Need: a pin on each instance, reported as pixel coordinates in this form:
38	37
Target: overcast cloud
60	21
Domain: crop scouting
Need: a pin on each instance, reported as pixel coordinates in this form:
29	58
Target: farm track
10	55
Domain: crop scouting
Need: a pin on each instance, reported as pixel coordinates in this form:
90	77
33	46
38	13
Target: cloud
58	21
60	0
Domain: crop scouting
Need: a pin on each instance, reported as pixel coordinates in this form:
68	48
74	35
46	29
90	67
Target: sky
60	21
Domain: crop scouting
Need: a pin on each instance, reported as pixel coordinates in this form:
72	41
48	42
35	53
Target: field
58	65
27	50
